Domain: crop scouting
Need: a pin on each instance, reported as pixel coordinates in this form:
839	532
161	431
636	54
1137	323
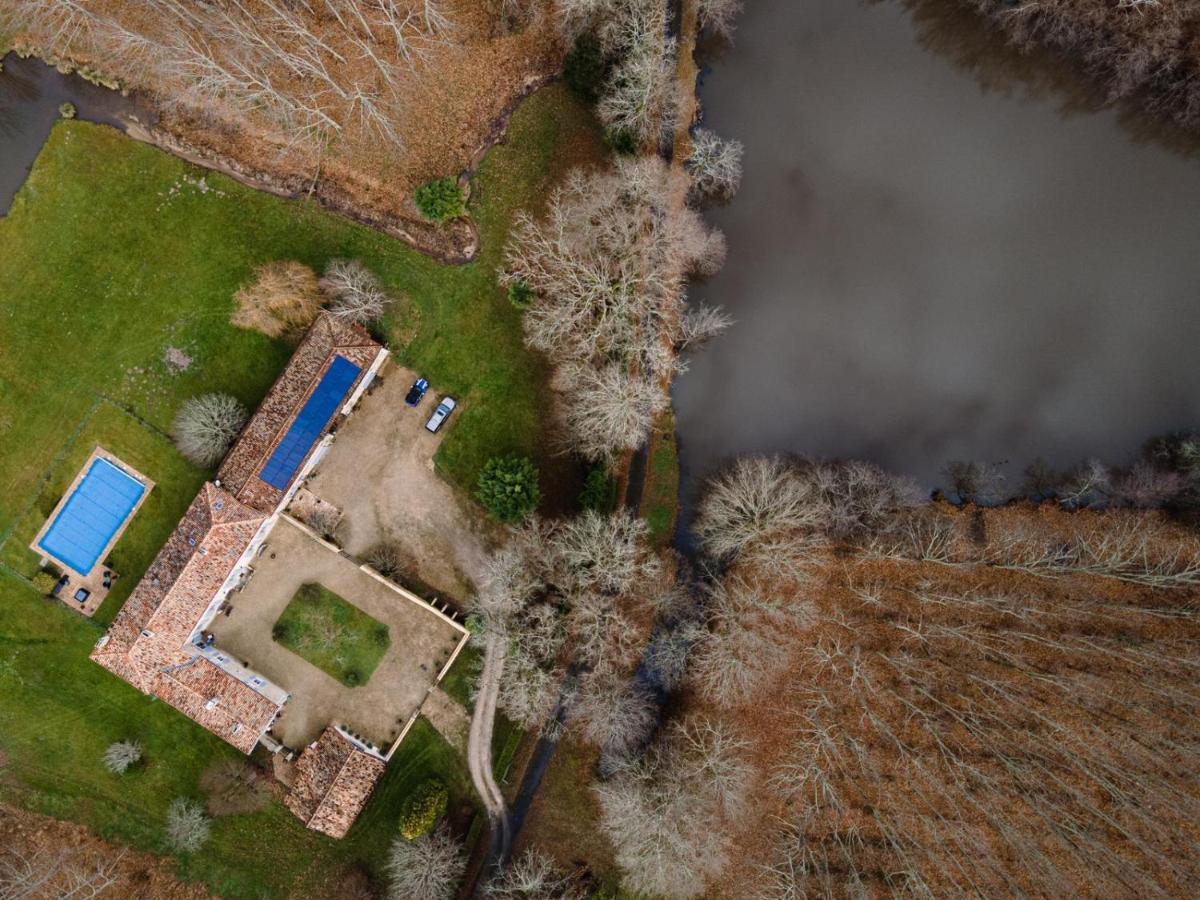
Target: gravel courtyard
421	642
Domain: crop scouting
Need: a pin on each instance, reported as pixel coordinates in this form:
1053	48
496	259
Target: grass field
660	494
339	639
114	251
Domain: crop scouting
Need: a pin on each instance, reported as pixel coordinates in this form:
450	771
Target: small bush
389	559
381	638
280	631
440	199
599	492
352	678
67	110
44	582
187	825
520	295
119	757
622	140
422	809
585	69
508	487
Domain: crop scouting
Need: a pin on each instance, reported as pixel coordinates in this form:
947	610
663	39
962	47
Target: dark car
440	415
417	391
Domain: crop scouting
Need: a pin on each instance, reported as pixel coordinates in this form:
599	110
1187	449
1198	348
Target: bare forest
1142	50
933	700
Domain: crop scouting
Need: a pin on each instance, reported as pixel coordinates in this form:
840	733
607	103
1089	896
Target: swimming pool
95	511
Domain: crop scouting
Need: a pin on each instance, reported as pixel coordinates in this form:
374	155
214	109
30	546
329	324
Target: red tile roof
326	338
148	644
333	780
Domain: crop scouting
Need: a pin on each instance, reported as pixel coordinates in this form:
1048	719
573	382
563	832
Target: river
921	271
30	94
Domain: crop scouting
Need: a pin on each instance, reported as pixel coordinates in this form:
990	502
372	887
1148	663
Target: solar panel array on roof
309	423
94	512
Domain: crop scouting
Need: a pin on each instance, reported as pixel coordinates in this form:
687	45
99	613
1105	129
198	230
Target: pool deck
92	581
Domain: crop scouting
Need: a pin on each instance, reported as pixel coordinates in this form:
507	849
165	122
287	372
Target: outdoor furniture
82	594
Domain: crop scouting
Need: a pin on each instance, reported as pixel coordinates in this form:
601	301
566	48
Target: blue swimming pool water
94	512
309	422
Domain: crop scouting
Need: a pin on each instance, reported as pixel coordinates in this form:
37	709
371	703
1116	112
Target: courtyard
421	641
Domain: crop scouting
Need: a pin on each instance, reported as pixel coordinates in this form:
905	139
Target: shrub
622	140
520	295
508	487
44	582
282	298
187	825
352	678
586	69
422	809
440	199
206	425
280	631
599	491
380	637
121	755
389	559
67	110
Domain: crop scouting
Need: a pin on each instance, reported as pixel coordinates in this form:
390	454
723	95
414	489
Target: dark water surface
30	94
923	272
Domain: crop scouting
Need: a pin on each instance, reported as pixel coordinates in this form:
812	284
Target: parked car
440	415
417	391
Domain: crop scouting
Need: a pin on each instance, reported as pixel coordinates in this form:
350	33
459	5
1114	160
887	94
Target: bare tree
206	425
700	324
1146	486
975	482
663	813
1088	484
121	755
428	868
754	498
283	297
719	16
715	165
355	293
57	873
563	597
187	825
533	876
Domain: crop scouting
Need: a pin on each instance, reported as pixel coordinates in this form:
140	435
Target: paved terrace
421	642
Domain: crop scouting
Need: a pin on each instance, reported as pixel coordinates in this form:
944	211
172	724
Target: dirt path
479	748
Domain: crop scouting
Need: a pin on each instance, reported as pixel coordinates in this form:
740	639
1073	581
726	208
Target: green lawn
660	494
112	252
460	682
339	639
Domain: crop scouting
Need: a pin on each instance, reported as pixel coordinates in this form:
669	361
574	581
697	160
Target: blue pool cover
309	423
94	512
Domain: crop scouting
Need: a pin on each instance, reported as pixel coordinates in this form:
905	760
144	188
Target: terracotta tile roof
333	780
325	339
148	645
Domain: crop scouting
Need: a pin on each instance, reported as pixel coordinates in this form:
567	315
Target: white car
440	415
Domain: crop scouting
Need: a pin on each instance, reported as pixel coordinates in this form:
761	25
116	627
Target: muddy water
924	272
30	94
